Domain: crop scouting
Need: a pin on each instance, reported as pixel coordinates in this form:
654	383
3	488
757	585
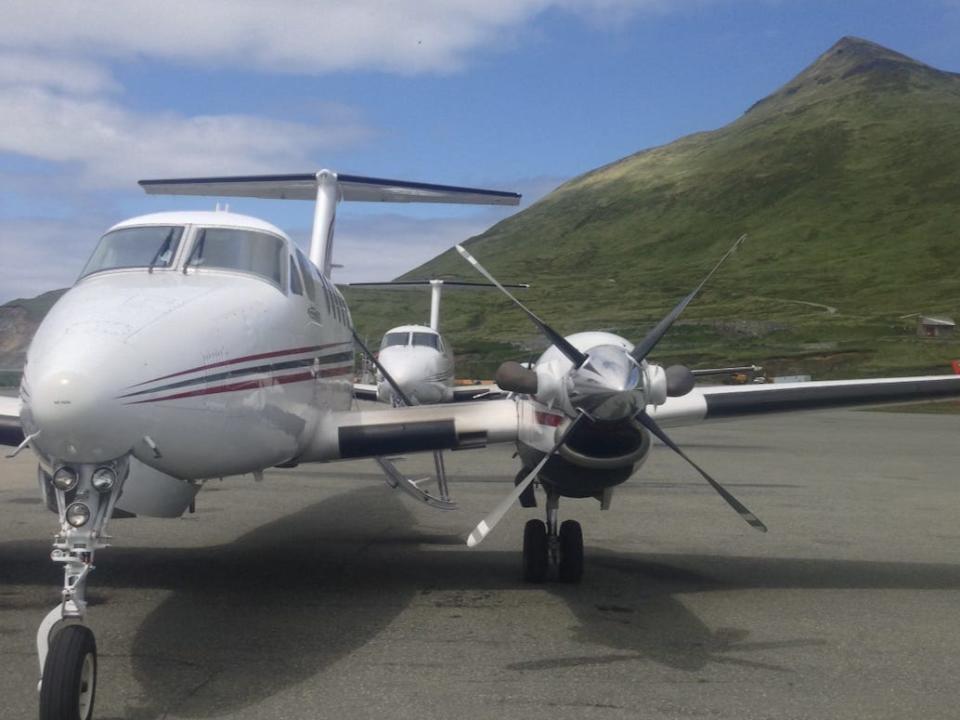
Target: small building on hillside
935	327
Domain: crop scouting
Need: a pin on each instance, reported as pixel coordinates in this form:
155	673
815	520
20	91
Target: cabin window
295	286
146	247
243	250
421	339
394	338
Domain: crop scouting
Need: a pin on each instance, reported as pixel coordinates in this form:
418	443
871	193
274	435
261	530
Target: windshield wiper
196	256
163	248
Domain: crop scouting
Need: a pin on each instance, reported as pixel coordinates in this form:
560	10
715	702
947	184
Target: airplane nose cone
401	377
77	412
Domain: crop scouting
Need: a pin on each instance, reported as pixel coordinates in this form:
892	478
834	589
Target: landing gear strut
552	545
85	497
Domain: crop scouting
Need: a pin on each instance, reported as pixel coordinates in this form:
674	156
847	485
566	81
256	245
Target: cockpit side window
237	249
394	338
421	339
296	286
153	246
305	269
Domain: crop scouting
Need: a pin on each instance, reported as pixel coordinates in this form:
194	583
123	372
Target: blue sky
510	94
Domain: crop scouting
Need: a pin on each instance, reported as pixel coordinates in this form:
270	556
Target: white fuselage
420	362
195	372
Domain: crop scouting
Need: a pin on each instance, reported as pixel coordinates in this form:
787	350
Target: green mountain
19	319
847	182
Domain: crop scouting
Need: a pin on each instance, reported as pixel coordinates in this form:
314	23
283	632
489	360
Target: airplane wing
10	431
461	393
385	431
482	391
726	401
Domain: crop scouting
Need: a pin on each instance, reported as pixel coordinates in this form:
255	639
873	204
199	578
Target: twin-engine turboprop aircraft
416	357
415	366
198	345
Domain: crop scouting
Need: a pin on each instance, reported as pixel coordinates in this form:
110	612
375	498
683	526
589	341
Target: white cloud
308	36
41	255
57	73
112	146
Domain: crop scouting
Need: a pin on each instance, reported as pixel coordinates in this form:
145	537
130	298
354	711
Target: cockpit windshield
152	246
395	338
422	339
243	250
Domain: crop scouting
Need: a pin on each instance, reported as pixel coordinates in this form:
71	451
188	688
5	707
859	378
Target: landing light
103	479
78	514
65	479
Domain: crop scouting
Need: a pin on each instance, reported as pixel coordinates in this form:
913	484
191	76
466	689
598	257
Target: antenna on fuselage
327	189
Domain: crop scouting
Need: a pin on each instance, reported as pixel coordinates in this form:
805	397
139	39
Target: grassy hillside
847	180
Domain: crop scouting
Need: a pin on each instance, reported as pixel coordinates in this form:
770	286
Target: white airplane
198	345
417	358
415	366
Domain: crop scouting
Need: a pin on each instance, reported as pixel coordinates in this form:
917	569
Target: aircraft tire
69	675
570	568
535	551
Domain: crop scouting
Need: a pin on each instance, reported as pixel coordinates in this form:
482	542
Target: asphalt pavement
321	593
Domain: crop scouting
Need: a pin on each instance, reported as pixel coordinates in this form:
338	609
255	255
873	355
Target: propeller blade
651	339
575	356
484	527
382	369
650	424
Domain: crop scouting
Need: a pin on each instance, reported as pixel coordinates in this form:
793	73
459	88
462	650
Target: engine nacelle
596	456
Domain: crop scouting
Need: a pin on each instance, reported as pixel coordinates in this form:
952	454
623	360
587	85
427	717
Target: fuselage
420	362
202	344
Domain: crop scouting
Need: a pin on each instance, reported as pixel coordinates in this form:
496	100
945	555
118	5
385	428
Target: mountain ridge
845	179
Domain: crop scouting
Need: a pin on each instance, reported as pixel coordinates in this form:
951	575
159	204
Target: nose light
65	479
103	479
78	514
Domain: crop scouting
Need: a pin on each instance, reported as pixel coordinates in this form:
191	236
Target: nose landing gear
552	546
85	498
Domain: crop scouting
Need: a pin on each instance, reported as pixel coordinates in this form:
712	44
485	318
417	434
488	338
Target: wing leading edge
10	431
713	403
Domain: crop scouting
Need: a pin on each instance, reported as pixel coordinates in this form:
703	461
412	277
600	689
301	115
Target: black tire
570	569
535	551
528	497
69	676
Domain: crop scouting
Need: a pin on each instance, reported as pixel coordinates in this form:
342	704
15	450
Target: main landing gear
547	546
85	497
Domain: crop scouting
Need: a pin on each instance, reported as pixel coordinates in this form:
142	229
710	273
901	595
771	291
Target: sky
516	95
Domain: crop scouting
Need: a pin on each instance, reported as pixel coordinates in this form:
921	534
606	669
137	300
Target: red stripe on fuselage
247	358
252	384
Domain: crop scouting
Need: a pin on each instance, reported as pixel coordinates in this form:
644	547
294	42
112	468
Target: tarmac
321	593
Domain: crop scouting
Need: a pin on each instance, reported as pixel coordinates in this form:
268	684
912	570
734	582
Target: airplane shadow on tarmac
249	619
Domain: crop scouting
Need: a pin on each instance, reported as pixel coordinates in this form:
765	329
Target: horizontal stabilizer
459	284
303	186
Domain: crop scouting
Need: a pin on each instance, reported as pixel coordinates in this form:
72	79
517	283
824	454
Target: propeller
650	424
484	527
597	388
395	478
651	339
563	345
